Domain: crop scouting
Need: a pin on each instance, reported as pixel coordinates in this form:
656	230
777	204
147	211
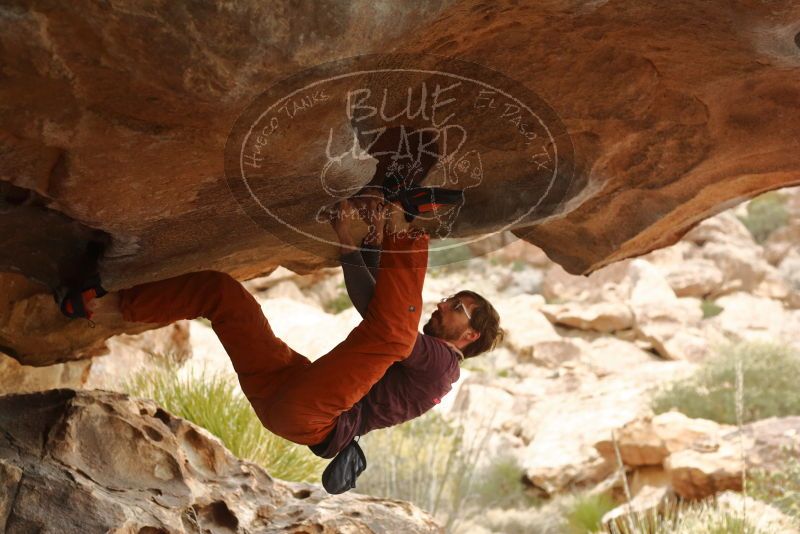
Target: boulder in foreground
97	462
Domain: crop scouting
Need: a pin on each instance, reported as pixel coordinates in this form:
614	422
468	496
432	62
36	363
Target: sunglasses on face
456	304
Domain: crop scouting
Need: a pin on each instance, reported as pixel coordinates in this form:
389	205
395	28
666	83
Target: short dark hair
486	321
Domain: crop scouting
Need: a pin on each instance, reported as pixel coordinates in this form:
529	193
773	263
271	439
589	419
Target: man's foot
74	301
426	200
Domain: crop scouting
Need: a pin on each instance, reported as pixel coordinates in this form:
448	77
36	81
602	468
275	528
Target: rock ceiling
115	118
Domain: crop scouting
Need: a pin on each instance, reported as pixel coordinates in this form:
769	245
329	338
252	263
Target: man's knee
295	421
221	292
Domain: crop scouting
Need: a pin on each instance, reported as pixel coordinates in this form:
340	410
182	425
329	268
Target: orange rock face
119	119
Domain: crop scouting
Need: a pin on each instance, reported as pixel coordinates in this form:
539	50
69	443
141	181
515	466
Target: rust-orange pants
295	398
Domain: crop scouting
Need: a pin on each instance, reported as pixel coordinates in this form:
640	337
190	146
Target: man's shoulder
435	347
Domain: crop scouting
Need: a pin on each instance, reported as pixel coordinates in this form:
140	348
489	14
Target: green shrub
215	404
770	374
781	488
765	214
500	484
586	513
338	304
710	308
518	266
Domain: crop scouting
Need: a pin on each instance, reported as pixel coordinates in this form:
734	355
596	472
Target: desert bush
499	484
765	214
518	266
780	489
214	403
710	308
770	385
337	304
586	513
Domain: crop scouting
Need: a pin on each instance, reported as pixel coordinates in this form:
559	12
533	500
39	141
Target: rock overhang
671	111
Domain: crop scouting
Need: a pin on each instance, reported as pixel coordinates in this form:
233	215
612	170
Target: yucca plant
214	403
705	517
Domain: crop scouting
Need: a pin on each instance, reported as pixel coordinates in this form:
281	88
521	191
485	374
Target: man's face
449	321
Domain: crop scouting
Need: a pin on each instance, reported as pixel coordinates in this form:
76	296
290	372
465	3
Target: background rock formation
120	116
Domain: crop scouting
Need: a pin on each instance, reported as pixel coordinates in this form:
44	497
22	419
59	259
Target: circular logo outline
241	174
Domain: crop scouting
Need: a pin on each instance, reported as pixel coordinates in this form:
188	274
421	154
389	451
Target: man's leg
261	360
305	408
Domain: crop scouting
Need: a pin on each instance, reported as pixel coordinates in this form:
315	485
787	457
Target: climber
382	374
463	326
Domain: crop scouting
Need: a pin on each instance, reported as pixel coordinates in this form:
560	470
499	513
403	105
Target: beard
435	328
429	329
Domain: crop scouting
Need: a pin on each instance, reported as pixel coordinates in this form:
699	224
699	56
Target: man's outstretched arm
360	266
358	280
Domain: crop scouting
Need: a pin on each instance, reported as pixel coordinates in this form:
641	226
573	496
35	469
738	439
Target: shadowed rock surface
96	462
121	112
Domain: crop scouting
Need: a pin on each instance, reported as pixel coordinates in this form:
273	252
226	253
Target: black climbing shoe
72	301
421	200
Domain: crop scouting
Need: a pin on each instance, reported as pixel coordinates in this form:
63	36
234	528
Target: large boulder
726	242
600	317
650	440
747	317
699	457
120	138
670	323
782	241
564	423
606	284
697	473
96	462
608	355
698	277
528	332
